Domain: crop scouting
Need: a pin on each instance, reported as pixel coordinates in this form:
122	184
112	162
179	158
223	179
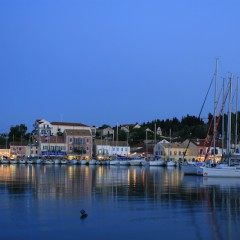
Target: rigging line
218	120
190	138
211	122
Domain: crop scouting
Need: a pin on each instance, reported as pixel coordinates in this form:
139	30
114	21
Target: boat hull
221	172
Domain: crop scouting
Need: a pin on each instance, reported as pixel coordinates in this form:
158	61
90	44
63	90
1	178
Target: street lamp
146	143
6	137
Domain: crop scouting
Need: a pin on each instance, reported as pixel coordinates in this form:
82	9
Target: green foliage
104	126
18	133
122	135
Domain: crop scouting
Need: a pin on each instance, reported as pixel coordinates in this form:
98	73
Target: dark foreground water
44	202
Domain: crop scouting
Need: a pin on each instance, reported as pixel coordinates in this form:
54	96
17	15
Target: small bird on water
83	213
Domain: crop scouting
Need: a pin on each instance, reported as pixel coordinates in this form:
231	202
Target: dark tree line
177	130
16	133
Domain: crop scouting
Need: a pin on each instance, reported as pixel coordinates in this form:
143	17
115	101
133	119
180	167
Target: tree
18	132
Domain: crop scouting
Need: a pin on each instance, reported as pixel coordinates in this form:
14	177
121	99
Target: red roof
68	124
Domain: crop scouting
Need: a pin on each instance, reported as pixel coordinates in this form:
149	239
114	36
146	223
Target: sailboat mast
236	126
215	106
229	119
223	120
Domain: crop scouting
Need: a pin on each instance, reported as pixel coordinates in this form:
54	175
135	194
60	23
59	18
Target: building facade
167	150
63	138
105	148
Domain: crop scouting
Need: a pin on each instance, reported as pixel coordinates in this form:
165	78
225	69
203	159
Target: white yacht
23	161
138	161
171	163
157	162
63	161
92	161
114	162
56	161
13	161
5	161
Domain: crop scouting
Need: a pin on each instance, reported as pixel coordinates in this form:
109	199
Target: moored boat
171	163
157	162
23	161
124	163
49	161
138	161
13	161
218	171
83	162
5	161
63	161
30	161
56	161
114	162
92	161
192	168
72	162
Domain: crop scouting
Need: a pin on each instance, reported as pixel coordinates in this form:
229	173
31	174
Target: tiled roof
110	143
78	132
68	124
173	145
52	139
201	143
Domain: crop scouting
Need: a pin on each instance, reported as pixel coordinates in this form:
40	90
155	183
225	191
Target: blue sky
109	61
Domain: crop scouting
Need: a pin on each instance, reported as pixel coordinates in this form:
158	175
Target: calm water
44	202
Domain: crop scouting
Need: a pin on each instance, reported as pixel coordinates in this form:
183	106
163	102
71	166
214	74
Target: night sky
113	61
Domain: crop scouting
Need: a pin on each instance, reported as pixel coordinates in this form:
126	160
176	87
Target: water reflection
163	194
151	182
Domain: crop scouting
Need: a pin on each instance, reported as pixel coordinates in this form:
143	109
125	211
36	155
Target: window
70	140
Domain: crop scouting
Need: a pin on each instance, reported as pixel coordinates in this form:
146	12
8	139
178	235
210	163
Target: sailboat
225	170
196	168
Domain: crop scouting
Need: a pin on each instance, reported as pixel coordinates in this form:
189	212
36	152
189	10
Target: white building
52	138
107	148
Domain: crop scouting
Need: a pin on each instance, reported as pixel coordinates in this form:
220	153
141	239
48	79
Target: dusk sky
113	61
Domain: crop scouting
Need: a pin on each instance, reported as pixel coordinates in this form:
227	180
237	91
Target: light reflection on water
44	201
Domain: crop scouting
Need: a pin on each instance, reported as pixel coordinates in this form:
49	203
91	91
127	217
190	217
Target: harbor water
122	202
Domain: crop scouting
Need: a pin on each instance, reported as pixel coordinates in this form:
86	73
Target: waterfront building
78	142
20	149
106	133
4	153
198	148
106	148
167	150
127	127
52	146
63	138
